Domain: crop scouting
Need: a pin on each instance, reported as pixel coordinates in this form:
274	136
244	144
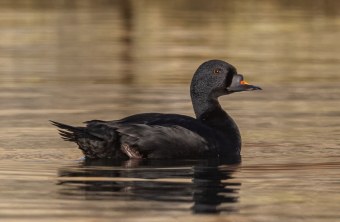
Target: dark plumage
154	135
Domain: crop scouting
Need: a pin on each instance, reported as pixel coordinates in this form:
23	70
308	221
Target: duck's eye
217	71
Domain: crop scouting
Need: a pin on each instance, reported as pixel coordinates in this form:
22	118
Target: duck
211	134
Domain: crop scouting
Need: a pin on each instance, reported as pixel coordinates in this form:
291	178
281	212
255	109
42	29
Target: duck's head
215	78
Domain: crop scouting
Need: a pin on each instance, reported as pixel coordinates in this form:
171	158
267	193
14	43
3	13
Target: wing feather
163	141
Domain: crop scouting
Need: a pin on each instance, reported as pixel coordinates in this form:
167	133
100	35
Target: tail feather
67	136
95	141
67	132
72	133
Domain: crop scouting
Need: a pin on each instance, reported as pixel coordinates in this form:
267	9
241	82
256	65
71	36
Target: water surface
78	60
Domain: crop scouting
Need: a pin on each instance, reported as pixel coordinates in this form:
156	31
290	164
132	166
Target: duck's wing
161	141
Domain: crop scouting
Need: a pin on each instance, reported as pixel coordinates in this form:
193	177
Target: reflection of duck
205	185
210	192
155	135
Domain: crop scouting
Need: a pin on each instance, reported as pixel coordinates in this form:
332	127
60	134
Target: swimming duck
212	134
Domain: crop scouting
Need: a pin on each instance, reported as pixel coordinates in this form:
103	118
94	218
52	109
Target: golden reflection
151	42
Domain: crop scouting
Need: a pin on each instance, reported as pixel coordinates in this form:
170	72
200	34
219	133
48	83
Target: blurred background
76	60
162	42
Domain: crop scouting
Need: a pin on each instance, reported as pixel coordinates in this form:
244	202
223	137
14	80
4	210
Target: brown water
73	61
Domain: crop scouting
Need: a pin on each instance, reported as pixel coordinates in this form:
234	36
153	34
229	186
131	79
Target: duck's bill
239	85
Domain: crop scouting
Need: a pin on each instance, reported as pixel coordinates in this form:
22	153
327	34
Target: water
73	61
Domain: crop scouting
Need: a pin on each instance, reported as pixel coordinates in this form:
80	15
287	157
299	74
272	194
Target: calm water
73	61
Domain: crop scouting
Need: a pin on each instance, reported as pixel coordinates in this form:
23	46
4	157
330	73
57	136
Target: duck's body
154	135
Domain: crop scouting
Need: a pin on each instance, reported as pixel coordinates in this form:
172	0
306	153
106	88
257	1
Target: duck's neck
209	111
202	105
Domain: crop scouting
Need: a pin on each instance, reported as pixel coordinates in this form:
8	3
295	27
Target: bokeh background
151	42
